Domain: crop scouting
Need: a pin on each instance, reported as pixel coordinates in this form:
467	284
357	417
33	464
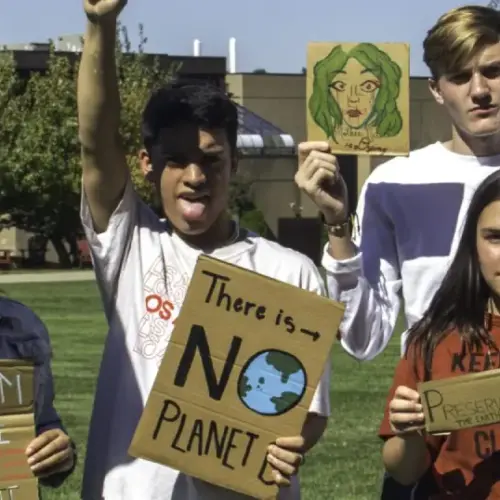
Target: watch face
339	230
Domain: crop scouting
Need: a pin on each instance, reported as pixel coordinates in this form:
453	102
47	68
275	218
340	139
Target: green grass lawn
345	465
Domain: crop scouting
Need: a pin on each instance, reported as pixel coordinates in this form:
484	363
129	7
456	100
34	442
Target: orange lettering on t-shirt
155	304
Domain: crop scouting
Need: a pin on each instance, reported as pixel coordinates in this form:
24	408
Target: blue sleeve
46	416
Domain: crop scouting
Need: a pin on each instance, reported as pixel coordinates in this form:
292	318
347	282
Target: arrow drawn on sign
315	335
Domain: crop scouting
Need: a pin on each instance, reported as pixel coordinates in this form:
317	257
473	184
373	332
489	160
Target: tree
241	205
39	149
259	71
139	76
240	195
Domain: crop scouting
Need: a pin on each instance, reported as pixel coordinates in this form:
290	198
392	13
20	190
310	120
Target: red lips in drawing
353	113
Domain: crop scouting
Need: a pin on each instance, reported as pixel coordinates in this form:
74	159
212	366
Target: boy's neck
473	146
220	234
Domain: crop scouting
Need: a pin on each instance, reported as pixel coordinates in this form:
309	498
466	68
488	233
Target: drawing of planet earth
272	382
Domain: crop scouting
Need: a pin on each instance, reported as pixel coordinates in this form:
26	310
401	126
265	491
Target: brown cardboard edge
132	451
460	379
318	43
15	363
405	153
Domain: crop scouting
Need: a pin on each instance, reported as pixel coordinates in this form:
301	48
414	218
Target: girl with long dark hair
458	334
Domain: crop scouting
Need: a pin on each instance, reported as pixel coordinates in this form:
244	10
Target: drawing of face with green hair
356	90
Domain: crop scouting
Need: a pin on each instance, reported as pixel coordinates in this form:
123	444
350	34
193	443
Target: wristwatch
338	229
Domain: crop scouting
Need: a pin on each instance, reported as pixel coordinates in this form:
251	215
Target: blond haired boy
411	209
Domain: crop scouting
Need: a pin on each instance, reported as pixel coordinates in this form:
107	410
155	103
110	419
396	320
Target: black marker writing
231	445
315	335
217	291
366	145
433	399
265	467
287	320
470	413
278	318
197	342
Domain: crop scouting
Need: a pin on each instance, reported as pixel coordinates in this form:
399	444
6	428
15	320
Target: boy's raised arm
104	165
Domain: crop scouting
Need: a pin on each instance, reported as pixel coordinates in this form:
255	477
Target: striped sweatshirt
410	215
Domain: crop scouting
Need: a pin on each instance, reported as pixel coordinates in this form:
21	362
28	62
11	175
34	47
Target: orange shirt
467	463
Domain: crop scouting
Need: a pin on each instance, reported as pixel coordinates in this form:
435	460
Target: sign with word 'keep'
246	355
461	402
17	429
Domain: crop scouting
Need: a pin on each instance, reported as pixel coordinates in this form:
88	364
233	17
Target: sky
270	34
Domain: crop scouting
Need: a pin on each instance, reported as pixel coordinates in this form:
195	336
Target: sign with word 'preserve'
17	429
358	97
461	402
240	370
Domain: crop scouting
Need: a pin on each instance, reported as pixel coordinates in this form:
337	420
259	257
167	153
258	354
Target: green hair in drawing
358	89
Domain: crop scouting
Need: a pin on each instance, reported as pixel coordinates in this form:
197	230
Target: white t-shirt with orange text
143	272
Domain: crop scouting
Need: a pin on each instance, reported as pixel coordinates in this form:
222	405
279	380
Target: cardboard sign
358	97
17	430
461	402
240	370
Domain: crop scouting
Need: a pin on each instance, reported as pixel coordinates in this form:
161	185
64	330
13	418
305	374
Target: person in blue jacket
51	455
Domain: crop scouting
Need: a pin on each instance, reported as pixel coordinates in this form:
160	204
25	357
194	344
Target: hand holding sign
285	458
461	402
406	412
49	453
241	369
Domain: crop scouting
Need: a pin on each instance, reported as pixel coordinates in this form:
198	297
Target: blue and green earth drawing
272	382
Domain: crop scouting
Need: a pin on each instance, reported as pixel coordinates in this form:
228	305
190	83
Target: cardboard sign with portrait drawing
358	97
17	429
240	370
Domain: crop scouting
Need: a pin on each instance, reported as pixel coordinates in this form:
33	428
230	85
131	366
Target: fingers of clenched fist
406	412
316	165
318	176
97	9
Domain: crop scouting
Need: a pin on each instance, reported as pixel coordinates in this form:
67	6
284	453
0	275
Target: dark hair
185	101
461	301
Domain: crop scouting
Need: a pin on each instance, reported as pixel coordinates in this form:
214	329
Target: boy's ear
145	164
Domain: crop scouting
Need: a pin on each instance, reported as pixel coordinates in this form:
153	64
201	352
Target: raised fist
101	9
319	177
